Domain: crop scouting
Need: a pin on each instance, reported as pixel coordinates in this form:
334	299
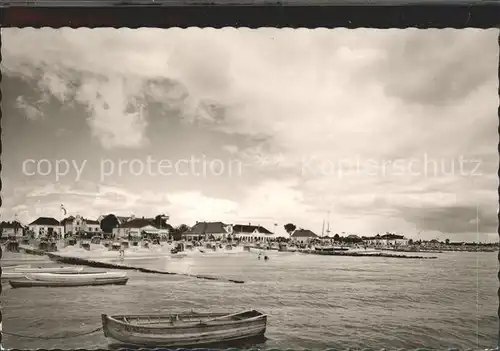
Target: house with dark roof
139	227
303	235
208	231
251	232
46	226
110	221
11	229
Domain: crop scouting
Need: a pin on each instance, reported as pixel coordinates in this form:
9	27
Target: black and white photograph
249	188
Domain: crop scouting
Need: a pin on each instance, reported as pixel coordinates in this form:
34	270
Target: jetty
100	264
362	254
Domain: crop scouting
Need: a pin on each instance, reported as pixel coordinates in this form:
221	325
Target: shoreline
72	260
362	254
93	261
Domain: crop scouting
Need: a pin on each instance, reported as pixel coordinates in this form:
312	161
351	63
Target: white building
138	227
79	224
251	232
303	236
208	231
387	240
46	226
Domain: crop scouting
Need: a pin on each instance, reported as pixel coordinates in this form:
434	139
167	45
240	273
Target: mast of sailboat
328	225
323	228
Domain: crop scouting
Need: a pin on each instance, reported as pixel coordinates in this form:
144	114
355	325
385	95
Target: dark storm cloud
436	67
459	219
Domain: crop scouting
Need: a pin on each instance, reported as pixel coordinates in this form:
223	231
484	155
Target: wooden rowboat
38	283
82	276
183	329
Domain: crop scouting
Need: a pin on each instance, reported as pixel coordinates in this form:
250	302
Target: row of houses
123	227
131	226
120	227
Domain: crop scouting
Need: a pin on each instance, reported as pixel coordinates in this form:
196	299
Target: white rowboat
183	329
19	273
17	266
78	277
49	270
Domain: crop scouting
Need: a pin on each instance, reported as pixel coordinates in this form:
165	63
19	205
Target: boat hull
196	334
62	277
37	283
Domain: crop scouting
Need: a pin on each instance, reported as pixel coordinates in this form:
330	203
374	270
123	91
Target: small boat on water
183	329
26	283
83	276
19	273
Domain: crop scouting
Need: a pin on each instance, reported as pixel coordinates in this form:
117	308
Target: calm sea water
313	302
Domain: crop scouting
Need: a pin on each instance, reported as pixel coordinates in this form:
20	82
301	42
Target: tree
410	242
447	241
161	221
336	237
290	227
183	228
178	231
108	223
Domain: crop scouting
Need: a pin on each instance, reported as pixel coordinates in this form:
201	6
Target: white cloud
31	112
333	94
232	149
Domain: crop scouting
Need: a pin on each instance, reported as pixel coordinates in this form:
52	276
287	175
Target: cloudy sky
392	130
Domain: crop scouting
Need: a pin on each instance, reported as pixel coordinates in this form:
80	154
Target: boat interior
76	273
185	319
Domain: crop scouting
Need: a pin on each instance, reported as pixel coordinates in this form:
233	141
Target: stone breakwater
362	254
99	264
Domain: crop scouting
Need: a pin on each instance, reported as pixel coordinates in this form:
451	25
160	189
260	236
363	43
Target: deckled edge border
25	18
1	185
498	210
374	15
